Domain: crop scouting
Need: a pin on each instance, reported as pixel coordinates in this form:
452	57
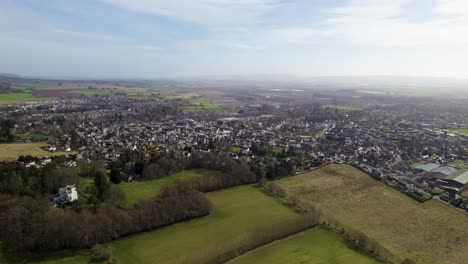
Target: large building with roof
457	180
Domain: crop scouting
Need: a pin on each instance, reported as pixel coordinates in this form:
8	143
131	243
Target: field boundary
322	223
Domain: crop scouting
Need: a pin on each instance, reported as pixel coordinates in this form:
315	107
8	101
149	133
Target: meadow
137	190
429	232
342	107
237	216
11	151
313	246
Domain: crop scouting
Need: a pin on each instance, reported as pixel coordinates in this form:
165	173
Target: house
67	194
52	148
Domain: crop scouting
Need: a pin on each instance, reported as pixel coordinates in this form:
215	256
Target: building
67	194
457	180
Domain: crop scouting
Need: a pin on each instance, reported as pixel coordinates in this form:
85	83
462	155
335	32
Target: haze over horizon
169	39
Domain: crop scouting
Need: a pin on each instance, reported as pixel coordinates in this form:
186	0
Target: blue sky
179	38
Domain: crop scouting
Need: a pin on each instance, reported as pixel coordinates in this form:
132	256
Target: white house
67	194
52	148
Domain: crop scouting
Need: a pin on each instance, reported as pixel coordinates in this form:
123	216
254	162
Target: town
419	153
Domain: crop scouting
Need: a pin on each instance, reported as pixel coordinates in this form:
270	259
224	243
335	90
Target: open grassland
137	190
11	151
10	98
314	246
342	107
237	214
460	130
429	232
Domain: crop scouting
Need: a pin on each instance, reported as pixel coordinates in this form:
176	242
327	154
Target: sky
190	38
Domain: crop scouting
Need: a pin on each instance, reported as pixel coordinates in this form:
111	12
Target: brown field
430	232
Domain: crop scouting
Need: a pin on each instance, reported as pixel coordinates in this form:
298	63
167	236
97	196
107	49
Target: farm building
457	180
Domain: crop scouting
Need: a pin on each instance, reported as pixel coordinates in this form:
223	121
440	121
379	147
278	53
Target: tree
115	196
101	184
94	201
115	176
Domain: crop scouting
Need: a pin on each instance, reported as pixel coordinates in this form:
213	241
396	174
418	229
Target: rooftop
460	176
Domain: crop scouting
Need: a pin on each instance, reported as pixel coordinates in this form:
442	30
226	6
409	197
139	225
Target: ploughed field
429	232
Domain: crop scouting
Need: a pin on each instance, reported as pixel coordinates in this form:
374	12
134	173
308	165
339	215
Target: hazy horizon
144	39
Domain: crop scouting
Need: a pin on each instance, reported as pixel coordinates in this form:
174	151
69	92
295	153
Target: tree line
28	224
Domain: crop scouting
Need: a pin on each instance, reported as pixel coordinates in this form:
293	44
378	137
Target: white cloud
386	23
79	34
207	12
238	45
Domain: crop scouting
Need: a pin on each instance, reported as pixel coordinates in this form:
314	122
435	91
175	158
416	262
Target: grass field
34	137
235	148
137	190
459	164
314	246
460	130
415	164
201	104
11	151
429	232
10	98
342	107
237	212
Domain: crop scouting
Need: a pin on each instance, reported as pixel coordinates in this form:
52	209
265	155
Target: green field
95	92
459	164
459	130
342	107
314	246
277	150
415	164
237	214
11	151
429	232
10	98
137	190
235	149
33	137
201	104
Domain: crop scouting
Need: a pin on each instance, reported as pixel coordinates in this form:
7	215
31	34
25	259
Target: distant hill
9	75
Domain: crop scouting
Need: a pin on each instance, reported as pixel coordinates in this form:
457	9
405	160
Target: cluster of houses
381	142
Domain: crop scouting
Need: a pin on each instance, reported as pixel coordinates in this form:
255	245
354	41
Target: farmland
11	151
238	213
427	232
137	190
316	245
9	98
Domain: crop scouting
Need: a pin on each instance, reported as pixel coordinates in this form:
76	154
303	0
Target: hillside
427	233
